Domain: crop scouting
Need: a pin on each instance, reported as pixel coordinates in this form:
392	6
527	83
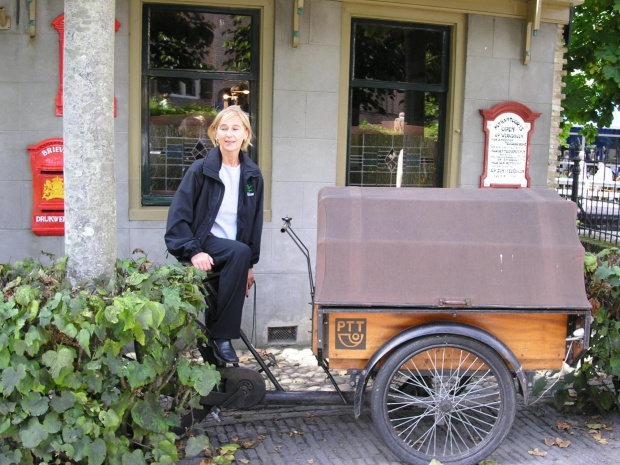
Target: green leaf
196	445
94	382
10	457
184	371
204	379
33	339
136	278
11	378
83	338
64	402
33	434
35	404
133	458
72	434
110	419
539	385
59	360
51	423
158	311
24	295
139	374
5	358
96	452
148	414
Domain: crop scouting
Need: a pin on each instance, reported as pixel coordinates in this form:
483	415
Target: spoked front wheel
445	397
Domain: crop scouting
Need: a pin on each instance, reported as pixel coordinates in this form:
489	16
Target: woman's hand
202	261
250	282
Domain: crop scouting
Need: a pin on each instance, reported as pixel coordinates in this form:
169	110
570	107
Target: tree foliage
593	66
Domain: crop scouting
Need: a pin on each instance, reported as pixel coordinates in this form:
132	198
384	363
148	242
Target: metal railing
592	186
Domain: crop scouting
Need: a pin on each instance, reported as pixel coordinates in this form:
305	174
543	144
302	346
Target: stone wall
495	73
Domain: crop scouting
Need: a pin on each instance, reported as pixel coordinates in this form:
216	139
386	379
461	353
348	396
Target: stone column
88	131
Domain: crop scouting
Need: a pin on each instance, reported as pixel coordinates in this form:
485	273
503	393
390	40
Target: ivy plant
85	370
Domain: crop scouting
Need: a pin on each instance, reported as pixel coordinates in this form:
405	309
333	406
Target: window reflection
397	103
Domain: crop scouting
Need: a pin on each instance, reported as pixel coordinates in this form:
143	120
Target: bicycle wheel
445	397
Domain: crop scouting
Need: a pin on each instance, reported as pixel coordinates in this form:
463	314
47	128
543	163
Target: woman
216	220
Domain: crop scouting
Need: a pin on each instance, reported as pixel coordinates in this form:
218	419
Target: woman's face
230	135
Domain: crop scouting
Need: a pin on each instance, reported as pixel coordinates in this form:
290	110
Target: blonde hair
226	114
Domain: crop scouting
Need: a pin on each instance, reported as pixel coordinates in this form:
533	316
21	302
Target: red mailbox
48	189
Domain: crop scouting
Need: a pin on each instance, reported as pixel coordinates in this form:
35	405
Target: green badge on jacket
249	189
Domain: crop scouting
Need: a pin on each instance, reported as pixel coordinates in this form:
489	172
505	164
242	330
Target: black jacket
197	202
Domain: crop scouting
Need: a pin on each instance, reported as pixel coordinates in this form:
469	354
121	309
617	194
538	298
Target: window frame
454	97
147	198
442	88
262	125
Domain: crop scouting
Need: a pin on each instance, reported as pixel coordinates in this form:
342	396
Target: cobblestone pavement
330	434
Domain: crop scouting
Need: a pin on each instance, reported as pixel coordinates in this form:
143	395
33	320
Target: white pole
399	170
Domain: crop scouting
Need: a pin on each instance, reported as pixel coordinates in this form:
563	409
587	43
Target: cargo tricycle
441	304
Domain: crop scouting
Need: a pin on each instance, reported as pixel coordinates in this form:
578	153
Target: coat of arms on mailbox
48	191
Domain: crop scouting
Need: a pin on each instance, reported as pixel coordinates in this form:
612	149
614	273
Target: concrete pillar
88	131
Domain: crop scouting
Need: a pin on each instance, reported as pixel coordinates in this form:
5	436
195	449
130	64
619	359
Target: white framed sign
508	127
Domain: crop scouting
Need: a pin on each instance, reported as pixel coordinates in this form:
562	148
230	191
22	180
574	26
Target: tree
593	69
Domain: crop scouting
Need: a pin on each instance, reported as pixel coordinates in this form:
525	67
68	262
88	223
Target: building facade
335	90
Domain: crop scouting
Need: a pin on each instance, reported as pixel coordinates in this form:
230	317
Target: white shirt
225	225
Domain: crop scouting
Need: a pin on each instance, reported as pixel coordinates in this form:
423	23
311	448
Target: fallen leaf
562	425
434	462
596	435
244	461
488	462
537	453
549	442
596	417
561	443
260	437
234	439
248	444
294	432
595	425
310	461
277	448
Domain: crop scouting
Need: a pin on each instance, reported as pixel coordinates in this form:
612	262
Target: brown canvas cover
422	247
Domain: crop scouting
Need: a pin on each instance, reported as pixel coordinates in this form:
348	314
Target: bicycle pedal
215	413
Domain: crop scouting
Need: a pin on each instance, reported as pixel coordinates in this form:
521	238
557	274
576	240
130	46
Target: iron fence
592	185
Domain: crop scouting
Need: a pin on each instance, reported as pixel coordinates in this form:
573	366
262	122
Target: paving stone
332	435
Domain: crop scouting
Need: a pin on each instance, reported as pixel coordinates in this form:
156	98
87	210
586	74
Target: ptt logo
350	333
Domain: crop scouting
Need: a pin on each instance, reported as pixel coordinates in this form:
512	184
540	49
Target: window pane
180	112
382	123
397	53
199	41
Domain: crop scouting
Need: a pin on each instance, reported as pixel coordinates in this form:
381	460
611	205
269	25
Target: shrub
72	389
601	362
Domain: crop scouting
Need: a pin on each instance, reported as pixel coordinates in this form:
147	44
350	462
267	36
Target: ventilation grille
282	335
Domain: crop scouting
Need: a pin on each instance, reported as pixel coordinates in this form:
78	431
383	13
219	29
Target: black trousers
232	260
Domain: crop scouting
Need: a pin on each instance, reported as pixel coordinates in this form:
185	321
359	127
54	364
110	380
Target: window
398	86
195	62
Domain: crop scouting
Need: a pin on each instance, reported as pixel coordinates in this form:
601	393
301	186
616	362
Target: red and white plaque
508	127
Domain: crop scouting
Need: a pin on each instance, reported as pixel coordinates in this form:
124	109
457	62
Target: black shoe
223	351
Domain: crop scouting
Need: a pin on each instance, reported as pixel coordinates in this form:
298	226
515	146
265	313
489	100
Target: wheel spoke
445	401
